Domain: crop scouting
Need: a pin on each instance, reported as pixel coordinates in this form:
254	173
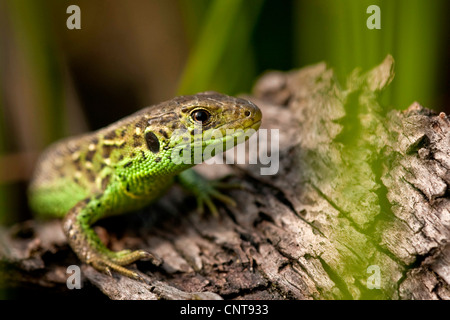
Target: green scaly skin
127	165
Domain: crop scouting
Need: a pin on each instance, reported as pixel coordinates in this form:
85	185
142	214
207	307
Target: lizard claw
205	191
209	193
117	260
126	257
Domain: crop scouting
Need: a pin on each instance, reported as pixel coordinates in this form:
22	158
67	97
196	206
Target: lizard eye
200	116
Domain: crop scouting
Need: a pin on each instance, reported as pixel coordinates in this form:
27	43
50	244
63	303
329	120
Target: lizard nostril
247	113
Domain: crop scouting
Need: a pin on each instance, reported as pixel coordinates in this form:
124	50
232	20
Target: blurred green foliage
221	57
229	38
35	40
412	31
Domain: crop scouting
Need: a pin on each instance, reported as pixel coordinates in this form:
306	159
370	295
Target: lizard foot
117	260
209	193
205	190
88	247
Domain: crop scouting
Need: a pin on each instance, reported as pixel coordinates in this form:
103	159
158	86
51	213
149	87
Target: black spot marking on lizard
152	142
158	159
105	182
181	127
110	135
143	155
90	175
123	133
128	164
77	164
164	133
141	124
137	141
120	157
106	152
90	155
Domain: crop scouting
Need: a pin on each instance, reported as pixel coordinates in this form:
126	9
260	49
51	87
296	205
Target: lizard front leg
87	245
205	190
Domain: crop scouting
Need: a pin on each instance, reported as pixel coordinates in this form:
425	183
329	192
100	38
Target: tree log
359	209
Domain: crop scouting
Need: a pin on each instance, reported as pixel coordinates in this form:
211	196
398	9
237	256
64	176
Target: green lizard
129	164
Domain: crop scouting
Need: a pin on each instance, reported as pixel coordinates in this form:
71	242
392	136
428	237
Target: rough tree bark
360	208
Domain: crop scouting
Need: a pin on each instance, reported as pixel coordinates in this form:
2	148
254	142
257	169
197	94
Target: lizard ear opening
152	142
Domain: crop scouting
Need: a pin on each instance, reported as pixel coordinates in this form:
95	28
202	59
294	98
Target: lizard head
203	124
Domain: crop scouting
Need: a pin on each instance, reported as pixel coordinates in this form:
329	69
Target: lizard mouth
237	134
219	136
254	126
